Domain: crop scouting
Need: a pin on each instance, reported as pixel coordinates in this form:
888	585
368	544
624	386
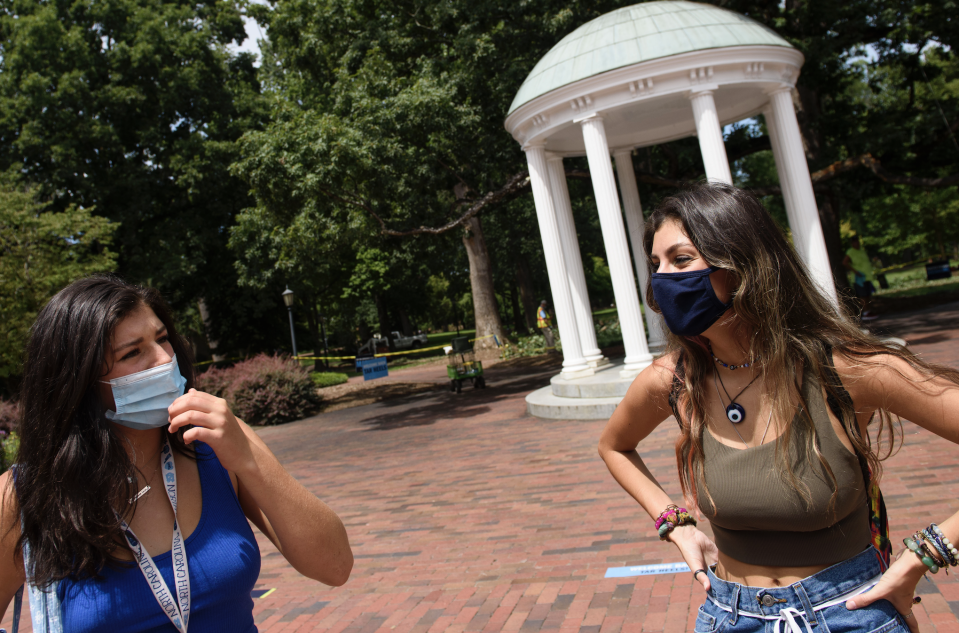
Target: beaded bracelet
926	560
933	539
930	549
933	548
671	518
950	548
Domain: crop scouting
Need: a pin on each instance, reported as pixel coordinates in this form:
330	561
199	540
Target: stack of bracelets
671	518
933	549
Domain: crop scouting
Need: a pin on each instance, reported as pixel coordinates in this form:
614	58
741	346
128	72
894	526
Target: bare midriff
732	570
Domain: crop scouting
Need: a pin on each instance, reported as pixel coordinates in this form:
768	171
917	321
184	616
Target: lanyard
176	608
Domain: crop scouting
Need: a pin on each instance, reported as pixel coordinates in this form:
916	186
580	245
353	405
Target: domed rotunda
640	76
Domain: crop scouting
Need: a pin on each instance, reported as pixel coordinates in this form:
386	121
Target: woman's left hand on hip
898	586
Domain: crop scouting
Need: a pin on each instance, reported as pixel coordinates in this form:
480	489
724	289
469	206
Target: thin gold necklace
146	488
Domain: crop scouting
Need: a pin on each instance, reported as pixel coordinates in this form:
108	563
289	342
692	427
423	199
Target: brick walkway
465	514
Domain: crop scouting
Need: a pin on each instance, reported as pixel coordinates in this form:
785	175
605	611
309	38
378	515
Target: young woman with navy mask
776	394
127	509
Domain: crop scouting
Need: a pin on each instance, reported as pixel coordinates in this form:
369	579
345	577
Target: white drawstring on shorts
789	615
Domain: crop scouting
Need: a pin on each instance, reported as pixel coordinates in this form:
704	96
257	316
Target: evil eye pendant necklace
735	412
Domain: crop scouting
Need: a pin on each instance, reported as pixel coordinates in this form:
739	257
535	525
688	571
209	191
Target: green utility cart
462	365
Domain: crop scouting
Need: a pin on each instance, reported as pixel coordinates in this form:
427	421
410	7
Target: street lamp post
288	300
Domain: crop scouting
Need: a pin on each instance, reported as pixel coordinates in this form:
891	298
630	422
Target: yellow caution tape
410	351
224	360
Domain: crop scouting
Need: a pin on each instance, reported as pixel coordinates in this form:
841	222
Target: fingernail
851	604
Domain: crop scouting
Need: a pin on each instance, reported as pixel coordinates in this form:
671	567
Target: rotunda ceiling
640	33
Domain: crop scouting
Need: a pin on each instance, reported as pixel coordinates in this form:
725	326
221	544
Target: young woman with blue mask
128	508
784	409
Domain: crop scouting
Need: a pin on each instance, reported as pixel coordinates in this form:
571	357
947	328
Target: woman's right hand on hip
697	549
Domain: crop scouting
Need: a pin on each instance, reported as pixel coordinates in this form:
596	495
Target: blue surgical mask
142	399
687	300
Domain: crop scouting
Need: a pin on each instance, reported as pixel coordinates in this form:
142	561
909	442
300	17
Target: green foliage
328	378
8	451
441	305
264	390
132	109
534	345
465	307
608	333
923	222
41	251
9	442
599	282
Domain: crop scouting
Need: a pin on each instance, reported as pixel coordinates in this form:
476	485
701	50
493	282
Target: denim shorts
816	604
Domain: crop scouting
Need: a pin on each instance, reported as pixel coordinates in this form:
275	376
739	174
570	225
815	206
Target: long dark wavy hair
72	469
791	326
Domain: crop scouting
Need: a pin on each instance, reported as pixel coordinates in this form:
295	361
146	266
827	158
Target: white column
617	251
574	364
710	135
574	261
633	209
797	188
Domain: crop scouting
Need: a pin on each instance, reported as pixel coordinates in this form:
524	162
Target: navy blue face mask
687	300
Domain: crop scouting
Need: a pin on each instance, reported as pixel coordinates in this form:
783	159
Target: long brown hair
791	325
72	469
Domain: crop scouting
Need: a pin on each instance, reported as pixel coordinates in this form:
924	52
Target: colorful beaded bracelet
936	542
933	548
918	551
671	518
950	548
930	550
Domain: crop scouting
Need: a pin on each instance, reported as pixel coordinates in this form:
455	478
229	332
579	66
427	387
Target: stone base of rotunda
592	397
595	363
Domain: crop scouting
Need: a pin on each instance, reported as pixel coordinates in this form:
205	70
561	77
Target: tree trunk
829	218
488	323
405	323
364	332
519	323
524	281
384	317
313	319
207	324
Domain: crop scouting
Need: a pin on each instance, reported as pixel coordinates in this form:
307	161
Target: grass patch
608	313
328	378
928	288
444	338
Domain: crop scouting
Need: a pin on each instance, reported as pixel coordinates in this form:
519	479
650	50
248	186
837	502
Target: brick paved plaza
465	514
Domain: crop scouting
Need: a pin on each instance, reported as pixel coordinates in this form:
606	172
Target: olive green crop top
762	520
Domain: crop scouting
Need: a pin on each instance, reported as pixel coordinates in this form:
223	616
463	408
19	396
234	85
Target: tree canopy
361	161
41	251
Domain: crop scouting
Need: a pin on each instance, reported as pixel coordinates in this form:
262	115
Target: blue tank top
224	566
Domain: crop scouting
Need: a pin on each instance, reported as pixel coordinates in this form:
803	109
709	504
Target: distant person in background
544	323
857	261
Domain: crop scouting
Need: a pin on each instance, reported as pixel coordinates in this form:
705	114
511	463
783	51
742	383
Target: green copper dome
640	33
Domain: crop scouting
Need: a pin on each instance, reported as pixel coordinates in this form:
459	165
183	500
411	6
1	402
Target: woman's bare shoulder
663	370
656	381
871	376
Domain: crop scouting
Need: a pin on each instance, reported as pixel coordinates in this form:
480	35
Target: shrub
328	378
529	346
264	389
216	381
608	333
8	437
8	450
8	416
